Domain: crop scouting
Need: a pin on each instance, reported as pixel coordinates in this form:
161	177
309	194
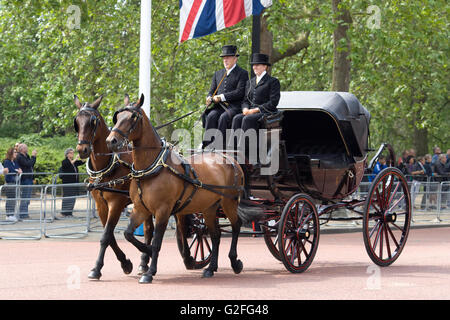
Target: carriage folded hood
352	118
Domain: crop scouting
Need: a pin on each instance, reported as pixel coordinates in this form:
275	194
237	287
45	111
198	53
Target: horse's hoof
127	266
142	270
237	266
207	273
94	275
189	263
146	279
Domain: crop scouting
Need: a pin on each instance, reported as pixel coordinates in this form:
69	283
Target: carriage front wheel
298	233
199	241
387	217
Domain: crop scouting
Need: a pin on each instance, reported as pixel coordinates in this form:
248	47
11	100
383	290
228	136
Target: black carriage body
324	137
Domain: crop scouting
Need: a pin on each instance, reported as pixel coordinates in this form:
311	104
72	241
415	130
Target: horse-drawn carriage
320	157
322	150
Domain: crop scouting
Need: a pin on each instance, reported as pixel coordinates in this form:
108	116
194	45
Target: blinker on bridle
93	122
136	115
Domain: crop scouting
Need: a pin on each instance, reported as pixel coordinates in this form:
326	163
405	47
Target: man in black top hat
226	94
262	94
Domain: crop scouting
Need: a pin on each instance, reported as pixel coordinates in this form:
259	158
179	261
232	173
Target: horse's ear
97	102
140	101
77	101
126	100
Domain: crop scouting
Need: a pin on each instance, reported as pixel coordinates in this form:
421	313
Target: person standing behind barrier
26	163
11	169
442	175
380	165
436	153
69	170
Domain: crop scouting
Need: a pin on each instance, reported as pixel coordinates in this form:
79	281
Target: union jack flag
202	17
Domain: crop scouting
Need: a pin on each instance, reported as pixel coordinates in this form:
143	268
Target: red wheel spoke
374	228
196	249
202	249
397	202
393	194
379	199
387	242
377	236
299	253
393	237
378	210
304	250
381	241
395	225
193	241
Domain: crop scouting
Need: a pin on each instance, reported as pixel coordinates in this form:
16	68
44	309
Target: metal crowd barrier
430	204
45	203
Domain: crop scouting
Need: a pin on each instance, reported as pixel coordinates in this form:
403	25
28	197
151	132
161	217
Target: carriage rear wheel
198	241
298	233
387	217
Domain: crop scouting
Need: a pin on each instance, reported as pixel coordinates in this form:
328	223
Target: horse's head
86	123
127	124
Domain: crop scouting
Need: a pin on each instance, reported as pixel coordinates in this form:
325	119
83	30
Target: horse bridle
93	122
136	115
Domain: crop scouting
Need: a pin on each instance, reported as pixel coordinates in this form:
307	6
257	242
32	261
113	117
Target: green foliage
399	71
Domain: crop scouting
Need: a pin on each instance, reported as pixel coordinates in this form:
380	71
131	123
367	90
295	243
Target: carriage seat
322	155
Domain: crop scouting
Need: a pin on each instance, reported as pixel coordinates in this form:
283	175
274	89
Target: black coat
264	96
232	86
67	167
26	163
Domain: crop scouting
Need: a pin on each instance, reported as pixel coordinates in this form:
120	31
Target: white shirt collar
260	77
231	69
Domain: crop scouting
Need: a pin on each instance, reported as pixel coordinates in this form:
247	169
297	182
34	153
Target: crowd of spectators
428	168
18	169
436	166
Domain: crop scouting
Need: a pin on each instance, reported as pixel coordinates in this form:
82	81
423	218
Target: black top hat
260	58
229	50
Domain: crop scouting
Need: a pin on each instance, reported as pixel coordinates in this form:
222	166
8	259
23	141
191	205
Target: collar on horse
114	162
156	166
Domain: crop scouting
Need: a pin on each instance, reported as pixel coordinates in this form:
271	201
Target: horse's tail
250	212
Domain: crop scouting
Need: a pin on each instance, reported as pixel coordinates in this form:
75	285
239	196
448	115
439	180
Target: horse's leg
229	207
102	208
115	212
214	231
148	236
135	221
108	239
188	260
160	228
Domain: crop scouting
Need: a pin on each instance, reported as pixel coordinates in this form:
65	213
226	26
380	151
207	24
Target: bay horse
163	183
103	168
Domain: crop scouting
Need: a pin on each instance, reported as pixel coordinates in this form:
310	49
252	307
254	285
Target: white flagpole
145	53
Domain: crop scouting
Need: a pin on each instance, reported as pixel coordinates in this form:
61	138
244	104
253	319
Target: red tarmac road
51	269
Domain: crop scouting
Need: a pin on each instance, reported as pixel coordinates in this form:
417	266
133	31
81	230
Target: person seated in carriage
226	94
262	95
